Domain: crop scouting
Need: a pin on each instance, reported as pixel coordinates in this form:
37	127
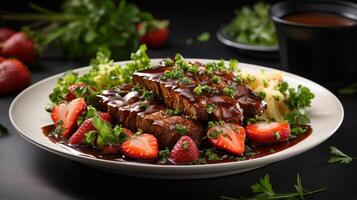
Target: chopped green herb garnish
210	108
58	130
212	124
200	89
297	117
168	62
185	80
263	190
211	154
216	79
233	65
297	130
90	137
261	94
238	79
143	105
175	73
229	91
107	134
283	87
215	133
164	155
338	156
181	129
299	98
172	112
204	37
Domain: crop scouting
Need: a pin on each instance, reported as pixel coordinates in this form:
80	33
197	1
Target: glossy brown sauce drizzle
256	151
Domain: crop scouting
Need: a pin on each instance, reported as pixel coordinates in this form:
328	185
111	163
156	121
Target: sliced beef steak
220	98
132	112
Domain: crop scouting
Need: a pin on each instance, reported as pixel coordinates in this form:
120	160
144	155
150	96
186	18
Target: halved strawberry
79	136
228	137
185	151
68	114
6	33
268	133
141	147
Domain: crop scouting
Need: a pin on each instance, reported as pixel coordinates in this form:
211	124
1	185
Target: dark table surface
28	172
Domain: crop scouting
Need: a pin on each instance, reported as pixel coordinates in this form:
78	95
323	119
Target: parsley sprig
263	190
337	156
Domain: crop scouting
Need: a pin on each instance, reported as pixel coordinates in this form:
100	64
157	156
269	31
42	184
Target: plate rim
262	160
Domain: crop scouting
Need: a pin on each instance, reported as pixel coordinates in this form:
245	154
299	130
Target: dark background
28	172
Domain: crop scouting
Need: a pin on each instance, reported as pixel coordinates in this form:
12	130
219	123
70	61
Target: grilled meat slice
226	100
134	113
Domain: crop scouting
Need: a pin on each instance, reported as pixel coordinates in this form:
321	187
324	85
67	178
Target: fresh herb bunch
263	190
252	26
84	26
104	74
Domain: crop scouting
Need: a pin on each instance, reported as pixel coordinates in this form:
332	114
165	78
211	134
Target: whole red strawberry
14	76
6	33
19	45
154	33
184	151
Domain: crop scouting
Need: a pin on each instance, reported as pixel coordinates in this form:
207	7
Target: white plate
28	115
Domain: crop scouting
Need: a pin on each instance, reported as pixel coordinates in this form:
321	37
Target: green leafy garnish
106	134
212	124
164	155
172	112
297	130
283	87
90	137
263	190
203	37
181	129
211	154
200	89
337	156
351	89
210	108
215	133
252	26
297	100
229	91
84	26
58	129
104	74
3	130
216	79
261	94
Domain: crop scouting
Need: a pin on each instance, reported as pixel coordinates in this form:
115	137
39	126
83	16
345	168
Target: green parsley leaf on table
263	190
3	130
337	156
351	89
204	37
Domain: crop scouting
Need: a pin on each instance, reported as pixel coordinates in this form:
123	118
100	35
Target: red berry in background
6	33
14	76
19	45
2	59
154	33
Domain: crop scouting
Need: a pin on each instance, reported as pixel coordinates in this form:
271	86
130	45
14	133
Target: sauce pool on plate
319	19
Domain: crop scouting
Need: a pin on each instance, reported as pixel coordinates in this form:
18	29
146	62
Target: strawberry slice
141	147
268	133
185	151
66	115
111	149
228	137
79	136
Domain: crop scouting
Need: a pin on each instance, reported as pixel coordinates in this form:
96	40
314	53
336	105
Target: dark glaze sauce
319	19
256	151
